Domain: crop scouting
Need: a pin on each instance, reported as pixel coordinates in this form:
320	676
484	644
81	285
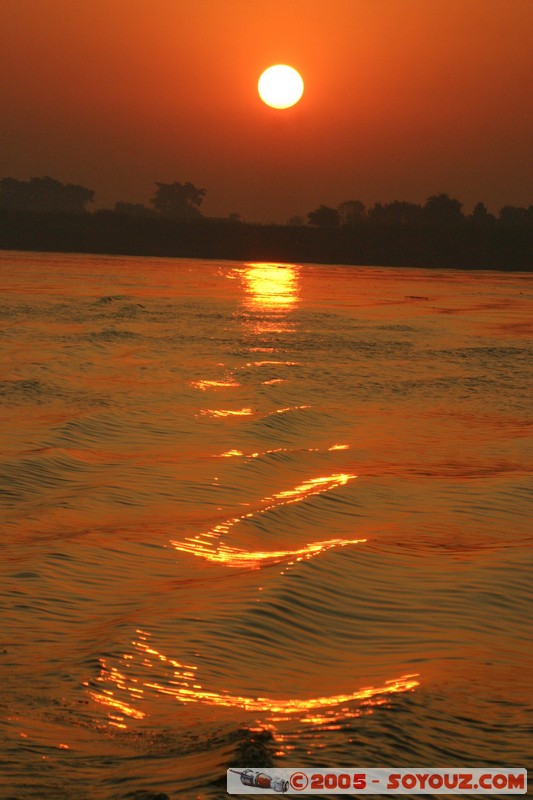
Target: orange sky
404	99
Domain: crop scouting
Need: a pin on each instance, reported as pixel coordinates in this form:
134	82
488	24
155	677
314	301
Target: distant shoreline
426	245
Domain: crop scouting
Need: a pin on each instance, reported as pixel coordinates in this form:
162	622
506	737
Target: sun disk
280	86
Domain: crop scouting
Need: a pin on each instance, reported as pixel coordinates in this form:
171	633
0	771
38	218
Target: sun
280	86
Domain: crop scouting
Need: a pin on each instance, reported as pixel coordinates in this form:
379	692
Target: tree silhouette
444	209
324	217
296	221
133	209
178	200
44	194
351	212
481	216
516	215
398	212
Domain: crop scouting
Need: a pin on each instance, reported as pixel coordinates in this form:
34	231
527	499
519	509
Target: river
260	514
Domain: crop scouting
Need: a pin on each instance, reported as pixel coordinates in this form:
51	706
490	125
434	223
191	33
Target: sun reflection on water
235	557
270	291
226	412
270	286
234	453
128	689
208	384
207	545
164	675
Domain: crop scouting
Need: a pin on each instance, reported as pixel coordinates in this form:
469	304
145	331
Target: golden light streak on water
402	684
233	453
182	684
272	363
246	412
314	486
234	557
202	545
226	412
108	700
270	286
286	409
207	384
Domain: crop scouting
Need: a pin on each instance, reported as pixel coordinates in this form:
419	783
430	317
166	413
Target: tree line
177	200
182	201
438	209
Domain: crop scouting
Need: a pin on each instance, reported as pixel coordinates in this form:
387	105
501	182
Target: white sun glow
280	86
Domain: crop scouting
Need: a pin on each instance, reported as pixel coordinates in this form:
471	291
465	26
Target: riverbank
464	245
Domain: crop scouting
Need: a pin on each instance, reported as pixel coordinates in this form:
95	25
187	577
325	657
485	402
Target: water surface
274	513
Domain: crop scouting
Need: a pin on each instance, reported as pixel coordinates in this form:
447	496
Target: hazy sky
403	99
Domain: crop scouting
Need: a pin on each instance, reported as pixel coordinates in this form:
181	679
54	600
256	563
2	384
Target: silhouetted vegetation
351	212
324	217
178	200
134	210
443	210
398	212
481	216
36	216
296	221
511	215
44	194
173	200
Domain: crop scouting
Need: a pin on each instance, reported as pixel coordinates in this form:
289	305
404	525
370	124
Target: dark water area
269	513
